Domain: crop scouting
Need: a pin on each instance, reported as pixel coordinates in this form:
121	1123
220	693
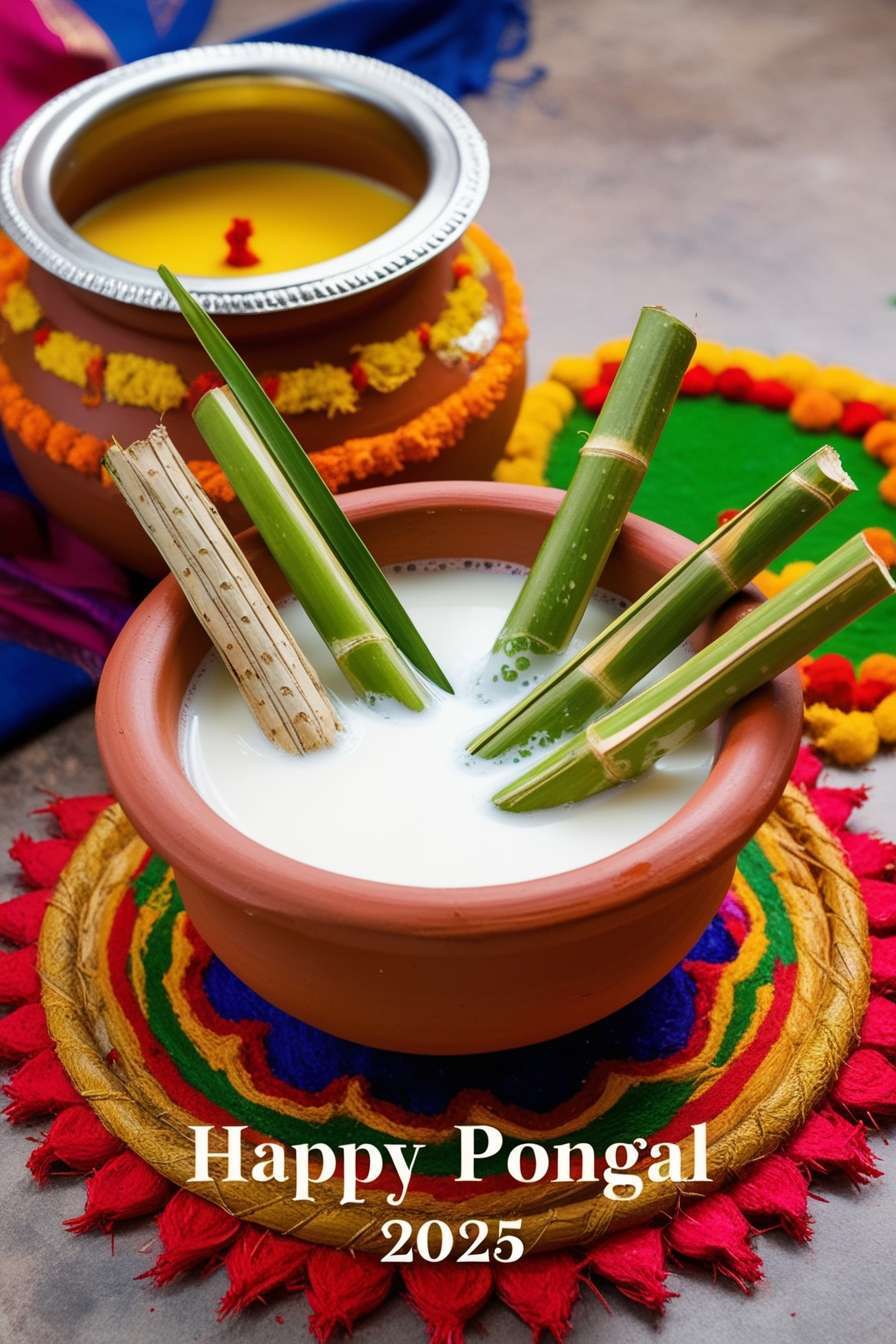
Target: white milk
397	799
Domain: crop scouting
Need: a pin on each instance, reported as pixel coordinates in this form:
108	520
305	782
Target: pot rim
455	150
759	739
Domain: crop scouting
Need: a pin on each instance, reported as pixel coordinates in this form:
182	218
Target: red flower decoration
772	393
359	377
594	397
698	382
831	679
734	384
858	417
237	238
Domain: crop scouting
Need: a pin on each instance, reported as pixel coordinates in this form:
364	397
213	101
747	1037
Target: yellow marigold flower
136	380
388	364
887	487
711	355
20	308
575	371
464	306
821	718
797	371
884	717
67	356
879	667
815	408
528	440
768	583
797	569
521	471
756	364
555	394
853	740
546	416
881	539
846	384
325	387
611	352
884	396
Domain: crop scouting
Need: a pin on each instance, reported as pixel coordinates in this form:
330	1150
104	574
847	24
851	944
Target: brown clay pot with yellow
455	970
400	359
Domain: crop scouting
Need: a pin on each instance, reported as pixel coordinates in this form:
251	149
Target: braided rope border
830	929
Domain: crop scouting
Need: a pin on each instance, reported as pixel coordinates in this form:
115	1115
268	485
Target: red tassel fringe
715	1230
20	918
75	816
194	1234
542	1290
39	1087
260	1263
447	1296
342	1289
775	1190
77	1140
635	1262
41	861
24	1032
830	1144
124	1187
19	981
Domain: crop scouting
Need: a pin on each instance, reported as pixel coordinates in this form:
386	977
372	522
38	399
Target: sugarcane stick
360	645
616	659
275	679
611	465
630	738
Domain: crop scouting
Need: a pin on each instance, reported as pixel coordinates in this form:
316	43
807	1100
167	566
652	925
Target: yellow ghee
301	214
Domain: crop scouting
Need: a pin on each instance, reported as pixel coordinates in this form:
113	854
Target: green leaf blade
303	477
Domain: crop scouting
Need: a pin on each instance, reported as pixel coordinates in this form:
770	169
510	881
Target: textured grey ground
734	163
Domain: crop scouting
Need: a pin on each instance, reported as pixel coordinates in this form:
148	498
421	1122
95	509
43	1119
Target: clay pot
257	100
453	970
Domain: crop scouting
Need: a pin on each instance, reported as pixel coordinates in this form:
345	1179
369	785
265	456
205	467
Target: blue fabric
537	1077
452	43
139	28
36	688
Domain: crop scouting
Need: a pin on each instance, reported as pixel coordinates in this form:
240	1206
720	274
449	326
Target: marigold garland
137	380
421	439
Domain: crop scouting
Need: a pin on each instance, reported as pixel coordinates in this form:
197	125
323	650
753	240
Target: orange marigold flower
887	487
815	408
879	667
880	442
881	539
14	412
86	454
59	441
9	392
34	428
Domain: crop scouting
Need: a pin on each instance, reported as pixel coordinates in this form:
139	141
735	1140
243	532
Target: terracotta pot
453	970
182	109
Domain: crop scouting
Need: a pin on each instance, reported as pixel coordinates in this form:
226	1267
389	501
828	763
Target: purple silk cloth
69	601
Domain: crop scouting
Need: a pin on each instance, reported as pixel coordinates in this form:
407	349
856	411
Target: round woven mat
745	1035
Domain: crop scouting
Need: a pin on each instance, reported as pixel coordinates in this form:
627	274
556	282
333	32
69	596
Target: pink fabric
54	45
70	601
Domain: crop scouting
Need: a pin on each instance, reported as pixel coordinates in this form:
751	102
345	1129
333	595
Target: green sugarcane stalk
611	465
630	738
364	651
616	659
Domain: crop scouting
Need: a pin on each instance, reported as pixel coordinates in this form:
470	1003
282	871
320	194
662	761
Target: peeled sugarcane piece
304	479
611	465
616	659
362	648
275	679
630	738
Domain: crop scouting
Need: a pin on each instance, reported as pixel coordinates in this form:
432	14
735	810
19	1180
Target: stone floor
733	163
